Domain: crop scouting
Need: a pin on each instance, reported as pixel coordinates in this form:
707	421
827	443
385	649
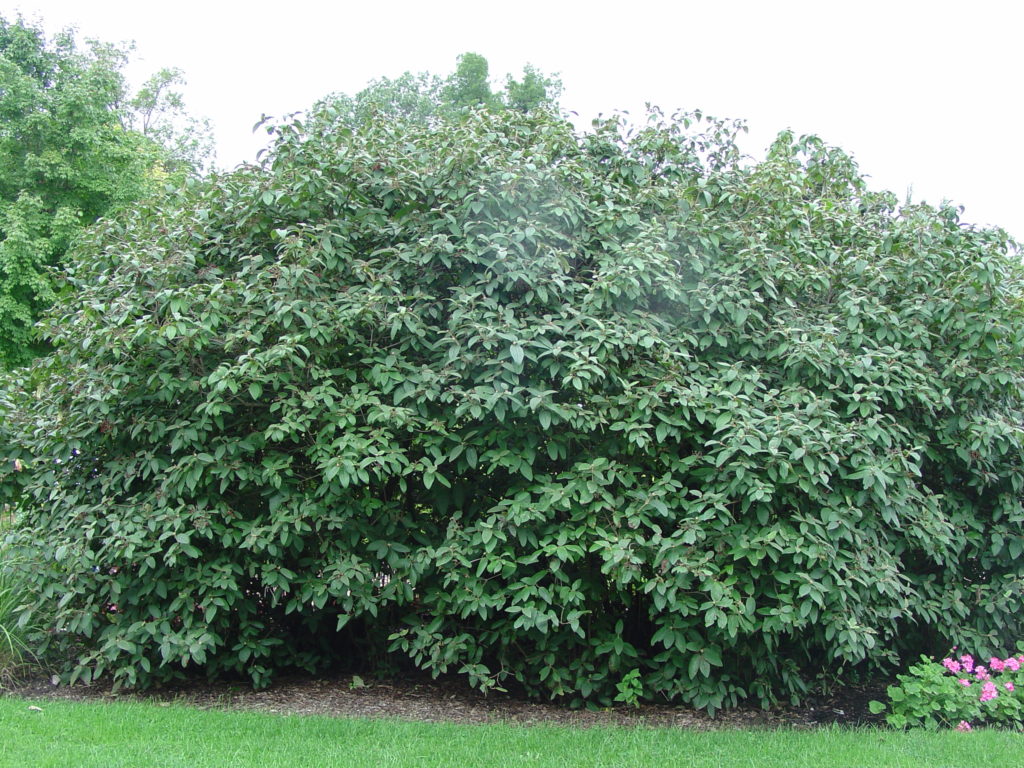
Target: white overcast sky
925	95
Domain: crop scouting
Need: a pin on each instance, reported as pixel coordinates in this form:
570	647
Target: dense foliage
70	153
580	413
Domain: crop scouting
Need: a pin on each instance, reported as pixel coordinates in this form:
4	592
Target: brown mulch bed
451	701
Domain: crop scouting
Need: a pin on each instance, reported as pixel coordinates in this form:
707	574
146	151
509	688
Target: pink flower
964	682
988	692
952	665
981	673
964	726
968	661
995	664
1008	686
1012	664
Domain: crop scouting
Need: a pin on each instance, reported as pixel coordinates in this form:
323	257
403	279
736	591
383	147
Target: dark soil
452	701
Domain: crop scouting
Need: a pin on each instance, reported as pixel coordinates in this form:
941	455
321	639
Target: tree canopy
565	411
69	154
424	96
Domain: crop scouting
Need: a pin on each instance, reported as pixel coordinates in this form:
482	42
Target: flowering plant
957	692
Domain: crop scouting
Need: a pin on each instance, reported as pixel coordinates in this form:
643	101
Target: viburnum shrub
582	413
959	691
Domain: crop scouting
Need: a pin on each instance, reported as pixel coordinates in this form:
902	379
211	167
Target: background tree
564	411
469	85
425	96
157	111
69	154
532	91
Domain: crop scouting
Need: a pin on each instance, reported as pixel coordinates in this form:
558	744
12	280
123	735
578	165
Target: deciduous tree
69	153
424	96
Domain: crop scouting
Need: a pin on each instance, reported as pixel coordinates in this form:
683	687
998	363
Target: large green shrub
533	406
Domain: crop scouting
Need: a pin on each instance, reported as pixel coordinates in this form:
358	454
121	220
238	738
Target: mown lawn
138	735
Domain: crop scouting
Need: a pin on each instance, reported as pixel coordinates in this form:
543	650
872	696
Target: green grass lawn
137	735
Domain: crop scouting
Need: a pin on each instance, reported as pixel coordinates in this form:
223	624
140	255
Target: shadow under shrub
570	411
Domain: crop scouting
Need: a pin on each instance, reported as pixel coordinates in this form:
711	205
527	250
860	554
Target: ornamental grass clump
16	649
957	690
614	414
